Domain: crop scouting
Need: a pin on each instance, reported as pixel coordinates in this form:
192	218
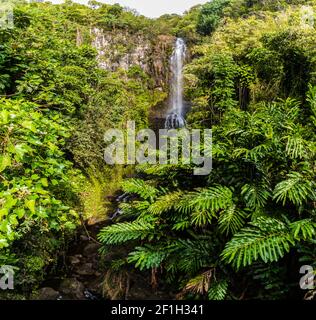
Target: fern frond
147	257
311	98
161	170
266	238
192	255
231	220
256	195
259	152
181	225
295	189
123	232
210	199
201	218
296	146
165	203
134	209
141	188
304	229
200	284
218	290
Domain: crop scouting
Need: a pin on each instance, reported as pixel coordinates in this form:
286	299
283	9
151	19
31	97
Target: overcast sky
152	8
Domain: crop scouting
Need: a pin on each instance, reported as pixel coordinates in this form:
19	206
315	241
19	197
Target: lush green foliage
239	231
33	171
57	104
236	233
210	16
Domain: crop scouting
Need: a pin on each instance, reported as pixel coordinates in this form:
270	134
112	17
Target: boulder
72	289
47	294
91	249
74	259
85	270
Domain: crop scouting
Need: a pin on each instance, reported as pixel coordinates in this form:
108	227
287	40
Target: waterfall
175	117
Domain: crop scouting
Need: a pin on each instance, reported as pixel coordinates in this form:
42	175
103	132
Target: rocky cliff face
118	49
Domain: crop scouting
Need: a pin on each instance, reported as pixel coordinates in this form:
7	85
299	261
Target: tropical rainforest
69	72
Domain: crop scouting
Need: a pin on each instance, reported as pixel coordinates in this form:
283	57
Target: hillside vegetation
241	232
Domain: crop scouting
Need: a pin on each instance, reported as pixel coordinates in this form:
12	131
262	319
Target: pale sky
152	8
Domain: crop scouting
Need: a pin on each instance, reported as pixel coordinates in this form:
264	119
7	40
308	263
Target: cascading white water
175	117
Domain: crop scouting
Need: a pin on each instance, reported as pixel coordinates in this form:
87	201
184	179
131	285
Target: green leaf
30	204
44	182
28	125
3	212
4	115
5	161
3	243
20	213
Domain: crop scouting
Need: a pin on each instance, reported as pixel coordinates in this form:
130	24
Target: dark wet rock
85	269
47	294
84	238
72	289
74	259
91	249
